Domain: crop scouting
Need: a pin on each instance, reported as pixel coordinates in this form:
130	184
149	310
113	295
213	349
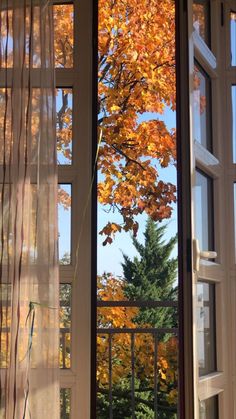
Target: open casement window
212	99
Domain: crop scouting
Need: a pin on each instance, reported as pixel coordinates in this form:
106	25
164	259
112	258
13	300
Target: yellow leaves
115	108
172	397
63	35
163	375
64	198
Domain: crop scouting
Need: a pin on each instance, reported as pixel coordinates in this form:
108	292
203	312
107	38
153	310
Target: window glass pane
233	37
65	325
208	409
233	94
6	30
63	35
64	223
201	19
202	107
204	211
65	403
33	47
64	103
5	292
206	331
32	102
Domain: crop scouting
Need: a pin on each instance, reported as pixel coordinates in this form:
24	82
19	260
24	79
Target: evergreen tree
151	275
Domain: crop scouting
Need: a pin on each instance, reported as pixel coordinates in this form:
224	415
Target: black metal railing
157	409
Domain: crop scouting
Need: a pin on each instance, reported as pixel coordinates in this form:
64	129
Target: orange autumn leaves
63	35
136	81
112	289
136	75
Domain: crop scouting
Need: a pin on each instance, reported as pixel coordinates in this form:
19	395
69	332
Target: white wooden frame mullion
78	174
213	165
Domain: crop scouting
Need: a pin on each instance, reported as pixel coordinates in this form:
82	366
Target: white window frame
221	169
78	174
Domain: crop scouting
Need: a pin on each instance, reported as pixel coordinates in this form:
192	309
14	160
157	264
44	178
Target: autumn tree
151	275
136	75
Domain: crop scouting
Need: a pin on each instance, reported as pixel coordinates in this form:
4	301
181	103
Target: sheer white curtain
29	328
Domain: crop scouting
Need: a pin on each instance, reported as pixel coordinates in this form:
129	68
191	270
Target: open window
145	127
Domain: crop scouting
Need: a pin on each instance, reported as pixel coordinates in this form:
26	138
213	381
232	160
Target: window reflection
233	37
65	403
65	325
206	334
202	107
204	211
201	19
5	292
208	409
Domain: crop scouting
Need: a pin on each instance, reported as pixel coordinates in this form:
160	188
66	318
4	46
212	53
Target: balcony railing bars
156	333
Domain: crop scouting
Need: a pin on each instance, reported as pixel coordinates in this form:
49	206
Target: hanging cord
31	317
31	314
86	206
32	304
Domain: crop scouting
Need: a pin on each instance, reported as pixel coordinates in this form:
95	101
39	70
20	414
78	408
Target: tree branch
122	153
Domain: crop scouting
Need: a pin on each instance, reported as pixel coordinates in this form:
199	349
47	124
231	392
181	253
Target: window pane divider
203	53
137	303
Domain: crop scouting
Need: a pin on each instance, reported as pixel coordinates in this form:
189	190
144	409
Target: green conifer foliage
152	275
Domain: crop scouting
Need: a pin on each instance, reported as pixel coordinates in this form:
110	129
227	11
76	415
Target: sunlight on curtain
28	220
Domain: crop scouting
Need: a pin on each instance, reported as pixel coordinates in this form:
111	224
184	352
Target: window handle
200	254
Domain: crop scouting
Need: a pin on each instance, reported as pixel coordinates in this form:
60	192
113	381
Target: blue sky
64	225
110	256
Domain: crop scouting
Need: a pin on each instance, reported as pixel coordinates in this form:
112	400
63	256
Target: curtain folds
29	307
